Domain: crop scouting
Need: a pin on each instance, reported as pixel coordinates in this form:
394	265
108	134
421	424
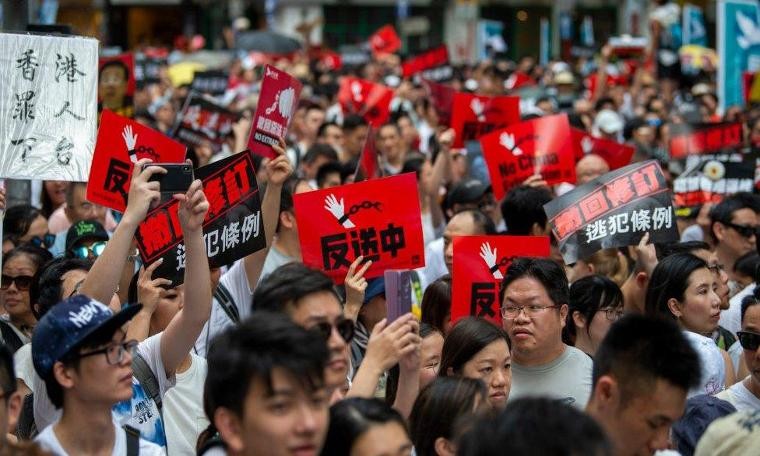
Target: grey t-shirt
567	378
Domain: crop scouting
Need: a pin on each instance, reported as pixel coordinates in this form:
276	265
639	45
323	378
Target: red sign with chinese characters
473	116
369	100
385	40
480	263
337	225
699	139
615	154
122	142
277	103
442	97
538	146
233	227
369	163
430	59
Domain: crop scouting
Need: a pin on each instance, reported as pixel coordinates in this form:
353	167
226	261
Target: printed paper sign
613	210
367	99
212	82
538	146
121	143
474	116
233	228
615	154
710	179
116	84
277	103
203	120
699	139
338	224
49	98
369	163
480	263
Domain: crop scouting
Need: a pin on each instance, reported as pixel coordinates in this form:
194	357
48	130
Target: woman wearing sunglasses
745	395
19	268
683	288
27	225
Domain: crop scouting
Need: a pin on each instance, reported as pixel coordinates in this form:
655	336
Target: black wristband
343	219
494	268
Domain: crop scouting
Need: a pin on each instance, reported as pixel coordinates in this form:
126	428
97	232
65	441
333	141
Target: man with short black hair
355	131
329	175
523	211
745	394
315	157
535	296
331	134
389	147
642	371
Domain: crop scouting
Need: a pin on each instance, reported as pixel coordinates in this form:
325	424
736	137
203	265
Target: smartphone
398	293
177	179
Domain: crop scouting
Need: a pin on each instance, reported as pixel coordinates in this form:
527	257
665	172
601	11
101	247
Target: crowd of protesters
636	350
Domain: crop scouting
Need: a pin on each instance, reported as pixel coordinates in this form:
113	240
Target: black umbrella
267	42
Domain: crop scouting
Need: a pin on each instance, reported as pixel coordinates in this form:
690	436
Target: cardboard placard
277	104
480	263
474	116
537	146
613	210
338	224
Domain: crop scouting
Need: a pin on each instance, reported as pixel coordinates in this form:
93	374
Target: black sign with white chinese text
613	210
203	120
212	82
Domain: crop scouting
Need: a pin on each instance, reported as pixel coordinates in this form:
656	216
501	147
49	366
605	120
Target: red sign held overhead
704	138
615	154
337	225
430	59
480	263
277	103
368	99
538	146
473	116
385	40
122	142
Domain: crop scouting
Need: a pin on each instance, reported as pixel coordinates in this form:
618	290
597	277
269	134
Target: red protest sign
442	97
369	163
385	40
116	84
368	99
338	224
615	154
430	59
480	263
538	146
122	142
277	103
473	116
700	139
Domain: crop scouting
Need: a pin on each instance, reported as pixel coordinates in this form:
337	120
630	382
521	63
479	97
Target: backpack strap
11	339
26	428
225	300
147	379
133	440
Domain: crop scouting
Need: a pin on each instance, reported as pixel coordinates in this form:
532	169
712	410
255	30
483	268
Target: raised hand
193	206
142	192
149	290
356	285
279	168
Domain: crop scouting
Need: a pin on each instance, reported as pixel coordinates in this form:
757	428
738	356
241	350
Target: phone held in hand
177	179
398	293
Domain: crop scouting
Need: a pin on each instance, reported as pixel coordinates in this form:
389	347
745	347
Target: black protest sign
203	120
148	69
710	179
613	210
233	227
212	82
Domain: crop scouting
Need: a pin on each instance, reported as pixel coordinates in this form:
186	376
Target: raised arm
182	332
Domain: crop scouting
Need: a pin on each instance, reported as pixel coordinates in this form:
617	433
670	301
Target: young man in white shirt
745	395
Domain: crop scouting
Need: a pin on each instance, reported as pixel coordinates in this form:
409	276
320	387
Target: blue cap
700	412
375	287
70	323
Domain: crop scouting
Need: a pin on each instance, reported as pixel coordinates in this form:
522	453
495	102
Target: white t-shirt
139	412
740	397
731	318
183	408
22	363
48	440
567	378
435	266
235	281
713	365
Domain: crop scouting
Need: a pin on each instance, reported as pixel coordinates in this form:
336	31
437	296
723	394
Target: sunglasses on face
746	231
44	242
748	340
83	251
345	328
23	283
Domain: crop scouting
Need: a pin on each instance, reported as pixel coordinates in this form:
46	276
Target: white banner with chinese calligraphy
613	210
48	106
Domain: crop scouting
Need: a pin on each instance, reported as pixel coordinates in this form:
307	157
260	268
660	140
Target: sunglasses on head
344	326
83	251
748	340
23	282
746	231
45	241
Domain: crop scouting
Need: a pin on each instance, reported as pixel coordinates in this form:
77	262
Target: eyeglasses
114	353
514	311
612	313
344	326
746	231
23	282
83	251
45	241
748	340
